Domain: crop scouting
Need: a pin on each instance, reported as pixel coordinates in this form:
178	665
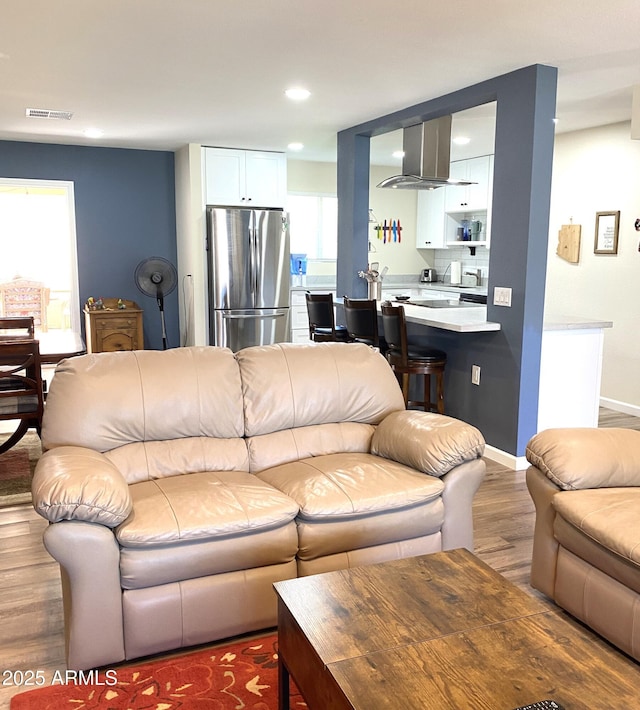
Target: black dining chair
322	322
21	387
407	359
361	318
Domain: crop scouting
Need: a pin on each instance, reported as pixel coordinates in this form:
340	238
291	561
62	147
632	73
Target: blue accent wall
125	212
505	405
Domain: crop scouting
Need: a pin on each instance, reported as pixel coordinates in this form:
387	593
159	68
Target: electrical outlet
502	296
475	374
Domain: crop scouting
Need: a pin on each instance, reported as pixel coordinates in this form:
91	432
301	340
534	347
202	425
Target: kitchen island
570	371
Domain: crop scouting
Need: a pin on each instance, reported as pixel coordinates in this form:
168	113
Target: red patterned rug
240	676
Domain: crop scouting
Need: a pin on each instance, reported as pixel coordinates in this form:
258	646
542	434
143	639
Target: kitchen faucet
477	273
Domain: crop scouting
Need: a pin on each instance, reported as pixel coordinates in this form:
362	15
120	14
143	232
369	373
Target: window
38	242
313	225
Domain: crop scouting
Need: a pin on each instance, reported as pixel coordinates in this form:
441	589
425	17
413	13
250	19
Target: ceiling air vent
48	113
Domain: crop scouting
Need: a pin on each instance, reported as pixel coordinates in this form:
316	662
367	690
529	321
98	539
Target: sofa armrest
74	483
89	558
587	458
431	443
545	546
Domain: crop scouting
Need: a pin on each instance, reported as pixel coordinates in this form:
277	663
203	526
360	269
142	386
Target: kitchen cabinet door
469	198
245	178
266	179
430	222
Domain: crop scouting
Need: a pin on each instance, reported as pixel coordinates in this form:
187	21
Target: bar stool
361	317
407	360
322	323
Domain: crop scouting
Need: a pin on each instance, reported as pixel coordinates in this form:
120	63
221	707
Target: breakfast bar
455	316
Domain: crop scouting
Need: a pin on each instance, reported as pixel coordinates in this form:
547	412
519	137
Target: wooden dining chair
407	360
17	327
322	322
361	318
21	388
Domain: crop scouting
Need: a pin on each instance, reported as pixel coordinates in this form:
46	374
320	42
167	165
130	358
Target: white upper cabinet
430	224
245	178
470	198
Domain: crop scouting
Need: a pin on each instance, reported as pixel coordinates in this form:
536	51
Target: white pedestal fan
157	277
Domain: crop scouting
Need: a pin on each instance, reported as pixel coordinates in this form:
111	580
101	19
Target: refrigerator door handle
238	316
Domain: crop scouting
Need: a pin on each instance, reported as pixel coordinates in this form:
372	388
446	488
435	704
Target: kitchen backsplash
444	257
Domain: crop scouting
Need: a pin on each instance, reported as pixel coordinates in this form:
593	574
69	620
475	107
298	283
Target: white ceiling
158	74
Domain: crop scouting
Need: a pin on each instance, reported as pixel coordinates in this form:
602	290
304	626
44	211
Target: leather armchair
585	484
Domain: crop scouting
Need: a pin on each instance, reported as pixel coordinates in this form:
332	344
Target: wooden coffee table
439	631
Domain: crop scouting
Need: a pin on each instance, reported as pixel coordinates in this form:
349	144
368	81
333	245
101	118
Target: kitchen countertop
560	322
471	319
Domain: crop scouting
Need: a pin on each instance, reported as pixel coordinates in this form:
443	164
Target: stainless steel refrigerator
248	273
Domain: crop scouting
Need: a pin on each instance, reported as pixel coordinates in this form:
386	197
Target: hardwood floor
31	623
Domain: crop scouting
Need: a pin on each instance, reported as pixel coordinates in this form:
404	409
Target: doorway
38	243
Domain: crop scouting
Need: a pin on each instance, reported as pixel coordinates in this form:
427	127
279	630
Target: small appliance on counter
428	276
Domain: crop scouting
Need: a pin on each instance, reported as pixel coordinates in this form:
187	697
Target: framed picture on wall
606	232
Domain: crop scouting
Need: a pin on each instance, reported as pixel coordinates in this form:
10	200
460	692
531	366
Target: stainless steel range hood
425	165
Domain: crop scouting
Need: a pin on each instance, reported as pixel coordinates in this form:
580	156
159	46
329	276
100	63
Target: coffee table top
396	603
496	667
441	631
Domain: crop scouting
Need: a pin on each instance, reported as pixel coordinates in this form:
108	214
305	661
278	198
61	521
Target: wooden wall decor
569	243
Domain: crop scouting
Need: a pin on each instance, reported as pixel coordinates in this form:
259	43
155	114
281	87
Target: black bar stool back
361	317
322	326
407	360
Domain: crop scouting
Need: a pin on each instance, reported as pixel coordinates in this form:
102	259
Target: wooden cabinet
111	329
245	178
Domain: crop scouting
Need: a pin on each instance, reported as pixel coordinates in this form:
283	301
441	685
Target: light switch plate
502	296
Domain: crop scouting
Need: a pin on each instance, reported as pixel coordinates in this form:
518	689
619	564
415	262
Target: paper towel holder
455	273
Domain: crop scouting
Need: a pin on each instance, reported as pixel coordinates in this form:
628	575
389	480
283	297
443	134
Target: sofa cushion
350	486
593	554
106	400
609	516
290	385
146	460
202	506
350	501
288	445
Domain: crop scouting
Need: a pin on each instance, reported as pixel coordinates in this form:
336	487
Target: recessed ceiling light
295	146
93	133
461	140
397	154
297	94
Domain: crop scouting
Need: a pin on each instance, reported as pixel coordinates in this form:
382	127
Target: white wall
598	170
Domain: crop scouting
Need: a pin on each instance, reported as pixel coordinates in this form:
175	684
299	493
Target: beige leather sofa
585	484
180	485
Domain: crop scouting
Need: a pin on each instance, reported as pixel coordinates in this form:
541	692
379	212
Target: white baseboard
632	409
515	463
